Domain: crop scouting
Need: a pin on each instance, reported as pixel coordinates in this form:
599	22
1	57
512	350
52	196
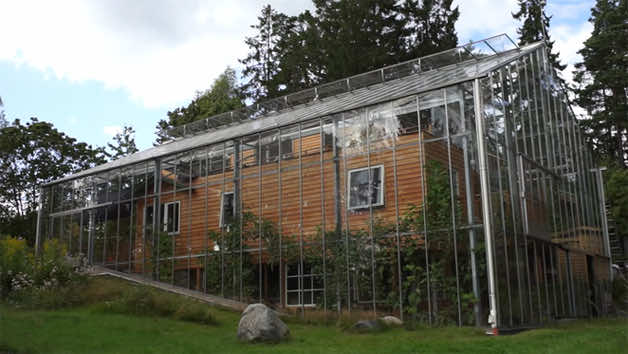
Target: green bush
141	301
46	281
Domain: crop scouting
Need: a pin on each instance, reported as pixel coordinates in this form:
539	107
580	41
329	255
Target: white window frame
300	290
381	193
165	218
222	205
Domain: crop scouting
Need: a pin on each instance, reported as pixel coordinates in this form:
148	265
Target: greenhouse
455	188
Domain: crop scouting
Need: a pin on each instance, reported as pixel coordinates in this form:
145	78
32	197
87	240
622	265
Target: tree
262	62
357	36
223	96
124	144
429	27
617	193
342	38
536	28
31	155
602	82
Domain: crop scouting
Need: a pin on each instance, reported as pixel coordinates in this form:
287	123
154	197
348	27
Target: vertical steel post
259	216
323	226
602	201
131	212
452	200
118	221
397	236
486	210
302	270
370	199
38	226
279	226
421	159
347	228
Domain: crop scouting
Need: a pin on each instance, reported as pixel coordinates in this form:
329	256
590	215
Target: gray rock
391	321
261	324
366	325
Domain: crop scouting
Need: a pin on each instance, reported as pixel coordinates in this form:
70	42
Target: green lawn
90	329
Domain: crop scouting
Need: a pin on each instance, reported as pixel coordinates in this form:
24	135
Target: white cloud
160	51
485	18
112	130
163	51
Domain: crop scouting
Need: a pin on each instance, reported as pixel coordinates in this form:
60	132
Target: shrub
47	281
141	301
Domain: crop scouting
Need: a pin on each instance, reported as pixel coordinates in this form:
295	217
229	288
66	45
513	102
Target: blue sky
91	67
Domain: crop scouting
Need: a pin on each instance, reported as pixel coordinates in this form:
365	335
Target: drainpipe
486	209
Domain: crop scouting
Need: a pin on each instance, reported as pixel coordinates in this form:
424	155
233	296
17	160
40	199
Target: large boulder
259	323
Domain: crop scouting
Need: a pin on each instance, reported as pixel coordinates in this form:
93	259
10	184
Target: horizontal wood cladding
298	195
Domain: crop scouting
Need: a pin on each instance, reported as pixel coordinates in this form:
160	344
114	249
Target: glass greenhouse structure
455	188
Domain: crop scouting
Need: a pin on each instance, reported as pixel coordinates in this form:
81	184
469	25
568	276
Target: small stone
259	323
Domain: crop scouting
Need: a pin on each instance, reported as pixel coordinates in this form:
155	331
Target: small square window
363	194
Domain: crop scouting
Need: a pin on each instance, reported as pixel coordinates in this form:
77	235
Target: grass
94	328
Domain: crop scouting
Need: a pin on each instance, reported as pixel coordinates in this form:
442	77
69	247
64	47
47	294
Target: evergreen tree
429	27
223	96
342	38
262	63
124	144
357	36
602	80
536	28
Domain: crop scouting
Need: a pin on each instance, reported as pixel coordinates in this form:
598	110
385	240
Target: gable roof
474	67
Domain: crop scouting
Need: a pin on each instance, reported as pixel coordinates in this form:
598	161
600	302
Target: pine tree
602	80
429	27
536	28
341	38
124	144
261	66
357	36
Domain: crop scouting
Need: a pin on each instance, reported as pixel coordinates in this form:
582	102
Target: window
169	218
227	209
215	164
361	195
270	150
302	286
148	217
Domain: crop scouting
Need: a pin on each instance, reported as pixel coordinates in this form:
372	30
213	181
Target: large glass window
302	294
361	193
169	218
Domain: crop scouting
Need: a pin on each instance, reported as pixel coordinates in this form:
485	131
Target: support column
486	209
